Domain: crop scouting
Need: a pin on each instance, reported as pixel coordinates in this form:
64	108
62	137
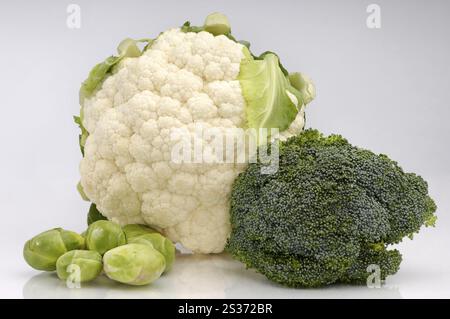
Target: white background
385	89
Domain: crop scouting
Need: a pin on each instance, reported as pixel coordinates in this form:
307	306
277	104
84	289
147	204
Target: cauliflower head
186	77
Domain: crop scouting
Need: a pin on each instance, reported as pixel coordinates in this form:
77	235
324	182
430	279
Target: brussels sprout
161	244
134	264
42	251
94	215
88	262
104	235
136	230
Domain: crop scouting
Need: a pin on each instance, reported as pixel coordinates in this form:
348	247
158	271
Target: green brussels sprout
42	251
161	244
94	215
104	235
134	264
135	230
88	262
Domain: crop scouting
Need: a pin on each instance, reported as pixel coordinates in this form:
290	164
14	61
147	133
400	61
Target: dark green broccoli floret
329	212
388	261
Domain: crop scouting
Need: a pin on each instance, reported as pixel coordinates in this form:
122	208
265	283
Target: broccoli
330	211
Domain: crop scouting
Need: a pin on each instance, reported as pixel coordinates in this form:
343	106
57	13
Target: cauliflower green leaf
84	133
304	84
126	48
272	102
273	96
215	23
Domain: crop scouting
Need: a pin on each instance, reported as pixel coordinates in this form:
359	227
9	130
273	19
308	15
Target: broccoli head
330	211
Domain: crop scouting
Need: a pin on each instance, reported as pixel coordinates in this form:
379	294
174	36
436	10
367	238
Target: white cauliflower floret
183	80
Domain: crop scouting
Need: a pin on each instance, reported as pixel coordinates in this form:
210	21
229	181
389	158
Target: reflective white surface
196	277
218	276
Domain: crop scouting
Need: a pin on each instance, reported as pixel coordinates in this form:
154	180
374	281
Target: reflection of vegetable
42	251
331	210
104	235
88	262
94	215
134	264
161	244
185	77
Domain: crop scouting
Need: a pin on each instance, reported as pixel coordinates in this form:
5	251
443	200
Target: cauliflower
185	78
